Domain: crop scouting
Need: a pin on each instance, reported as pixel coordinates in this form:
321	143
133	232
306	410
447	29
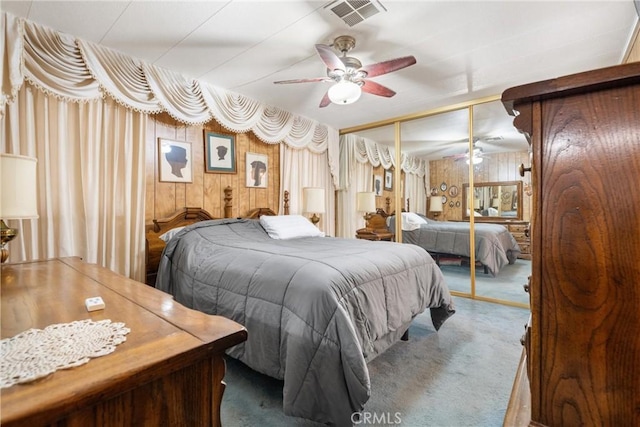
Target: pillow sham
284	227
411	221
169	234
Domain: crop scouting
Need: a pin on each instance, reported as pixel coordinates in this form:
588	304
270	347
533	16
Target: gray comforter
316	309
495	245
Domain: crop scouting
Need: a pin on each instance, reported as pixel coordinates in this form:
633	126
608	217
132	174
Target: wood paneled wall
207	189
495	167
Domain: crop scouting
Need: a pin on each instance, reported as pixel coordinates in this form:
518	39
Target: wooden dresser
168	372
520	231
582	343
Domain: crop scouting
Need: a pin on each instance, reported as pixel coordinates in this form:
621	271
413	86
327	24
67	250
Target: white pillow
169	234
289	227
411	221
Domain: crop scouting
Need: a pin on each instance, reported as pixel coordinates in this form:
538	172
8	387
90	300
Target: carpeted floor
507	285
459	376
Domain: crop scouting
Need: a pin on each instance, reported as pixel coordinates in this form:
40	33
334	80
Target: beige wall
206	190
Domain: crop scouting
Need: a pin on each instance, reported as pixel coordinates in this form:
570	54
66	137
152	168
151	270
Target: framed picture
257	170
377	185
219	153
174	161
388	180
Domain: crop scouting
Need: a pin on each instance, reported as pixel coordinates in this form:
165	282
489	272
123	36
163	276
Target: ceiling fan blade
330	59
385	67
315	79
377	89
325	100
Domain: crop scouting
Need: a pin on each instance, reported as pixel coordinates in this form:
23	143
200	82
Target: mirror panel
497	198
442	137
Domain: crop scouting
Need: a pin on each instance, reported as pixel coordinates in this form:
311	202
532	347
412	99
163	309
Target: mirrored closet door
472	182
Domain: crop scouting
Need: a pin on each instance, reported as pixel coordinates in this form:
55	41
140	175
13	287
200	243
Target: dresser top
164	334
588	81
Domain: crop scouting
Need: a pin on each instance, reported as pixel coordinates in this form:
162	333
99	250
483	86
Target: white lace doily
37	353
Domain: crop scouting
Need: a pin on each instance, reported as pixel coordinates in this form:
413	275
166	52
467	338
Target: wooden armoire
581	364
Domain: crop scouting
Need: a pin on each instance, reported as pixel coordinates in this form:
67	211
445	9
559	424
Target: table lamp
313	202
18	195
435	205
366	203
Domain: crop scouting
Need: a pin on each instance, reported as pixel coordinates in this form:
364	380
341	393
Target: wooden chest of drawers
520	232
583	340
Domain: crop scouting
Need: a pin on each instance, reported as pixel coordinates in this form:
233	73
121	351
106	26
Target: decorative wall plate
453	191
451	204
444	199
458	204
443	186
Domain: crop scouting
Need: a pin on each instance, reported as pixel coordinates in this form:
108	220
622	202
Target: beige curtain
358	157
303	168
91	179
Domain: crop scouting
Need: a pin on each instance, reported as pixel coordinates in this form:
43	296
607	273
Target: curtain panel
91	180
358	157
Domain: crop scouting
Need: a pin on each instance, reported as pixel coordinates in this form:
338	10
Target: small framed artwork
257	170
388	180
377	185
174	161
219	153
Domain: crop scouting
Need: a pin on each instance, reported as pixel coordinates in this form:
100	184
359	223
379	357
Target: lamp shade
344	92
366	202
18	195
313	200
435	204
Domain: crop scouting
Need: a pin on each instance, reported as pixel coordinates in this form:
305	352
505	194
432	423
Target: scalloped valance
79	71
367	150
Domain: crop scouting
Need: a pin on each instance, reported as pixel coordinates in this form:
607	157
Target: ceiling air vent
353	12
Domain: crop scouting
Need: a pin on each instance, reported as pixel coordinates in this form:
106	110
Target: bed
495	246
316	309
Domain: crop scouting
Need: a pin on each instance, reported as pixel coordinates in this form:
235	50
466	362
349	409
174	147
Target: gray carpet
459	376
507	285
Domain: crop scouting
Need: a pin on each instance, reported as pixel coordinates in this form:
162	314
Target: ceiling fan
476	155
348	74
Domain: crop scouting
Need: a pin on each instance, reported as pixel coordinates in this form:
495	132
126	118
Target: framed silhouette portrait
388	180
219	153
175	163
257	170
377	185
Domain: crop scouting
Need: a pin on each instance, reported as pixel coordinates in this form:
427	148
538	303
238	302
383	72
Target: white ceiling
464	50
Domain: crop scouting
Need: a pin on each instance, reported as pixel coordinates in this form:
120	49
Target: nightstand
368	234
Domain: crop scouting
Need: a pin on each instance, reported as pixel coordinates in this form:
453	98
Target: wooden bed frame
186	216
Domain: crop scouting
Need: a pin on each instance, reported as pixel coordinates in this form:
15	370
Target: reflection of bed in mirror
316	309
495	246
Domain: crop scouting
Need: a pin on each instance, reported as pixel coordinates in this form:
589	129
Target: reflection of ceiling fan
477	154
350	77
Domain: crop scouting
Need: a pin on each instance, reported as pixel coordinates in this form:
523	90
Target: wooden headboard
187	216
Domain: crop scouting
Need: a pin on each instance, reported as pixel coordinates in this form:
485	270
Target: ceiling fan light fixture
475	160
344	92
